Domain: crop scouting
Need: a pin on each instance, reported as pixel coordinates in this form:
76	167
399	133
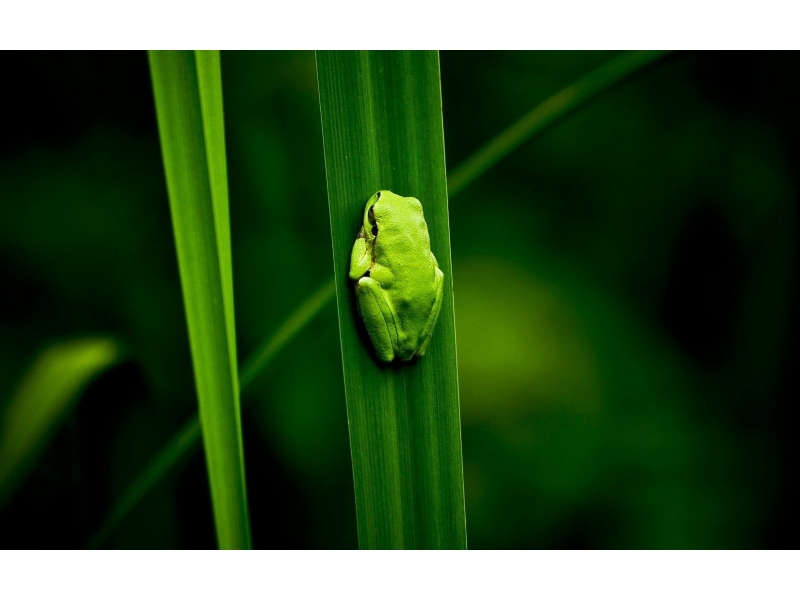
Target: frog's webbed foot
377	316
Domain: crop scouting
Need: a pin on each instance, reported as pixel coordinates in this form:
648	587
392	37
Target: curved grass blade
188	94
44	397
184	443
301	317
547	113
382	130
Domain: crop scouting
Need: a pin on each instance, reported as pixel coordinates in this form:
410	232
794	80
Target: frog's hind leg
377	316
427	333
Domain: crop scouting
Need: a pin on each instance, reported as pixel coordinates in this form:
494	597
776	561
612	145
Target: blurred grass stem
186	442
556	107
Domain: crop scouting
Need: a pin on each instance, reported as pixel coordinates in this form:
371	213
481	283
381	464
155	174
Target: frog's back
403	244
405	266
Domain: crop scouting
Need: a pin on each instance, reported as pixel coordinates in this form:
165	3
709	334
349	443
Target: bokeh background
624	293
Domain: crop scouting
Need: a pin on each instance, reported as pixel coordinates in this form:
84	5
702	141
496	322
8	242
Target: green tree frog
398	280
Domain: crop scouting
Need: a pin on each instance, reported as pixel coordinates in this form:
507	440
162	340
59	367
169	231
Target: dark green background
624	286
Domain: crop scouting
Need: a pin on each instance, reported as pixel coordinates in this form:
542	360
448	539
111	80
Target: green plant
49	390
188	91
382	127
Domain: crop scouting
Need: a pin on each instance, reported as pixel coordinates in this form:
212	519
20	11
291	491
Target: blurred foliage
55	380
623	284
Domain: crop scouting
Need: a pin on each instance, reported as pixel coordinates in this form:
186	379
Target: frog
398	282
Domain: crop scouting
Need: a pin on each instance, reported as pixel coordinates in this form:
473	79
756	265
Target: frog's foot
377	316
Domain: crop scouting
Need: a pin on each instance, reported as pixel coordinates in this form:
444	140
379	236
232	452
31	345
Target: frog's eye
371	217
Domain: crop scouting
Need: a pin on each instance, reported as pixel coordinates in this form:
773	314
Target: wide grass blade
44	397
382	130
543	115
188	94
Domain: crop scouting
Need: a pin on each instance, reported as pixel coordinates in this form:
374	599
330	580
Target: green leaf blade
382	129
44	397
189	108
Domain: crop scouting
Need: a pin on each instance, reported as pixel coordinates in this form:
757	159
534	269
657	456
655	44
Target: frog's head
381	205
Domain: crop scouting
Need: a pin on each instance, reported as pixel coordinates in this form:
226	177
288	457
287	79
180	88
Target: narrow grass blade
42	400
548	112
188	94
382	130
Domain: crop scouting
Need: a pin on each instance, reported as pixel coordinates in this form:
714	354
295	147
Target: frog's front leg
378	319
360	258
427	332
